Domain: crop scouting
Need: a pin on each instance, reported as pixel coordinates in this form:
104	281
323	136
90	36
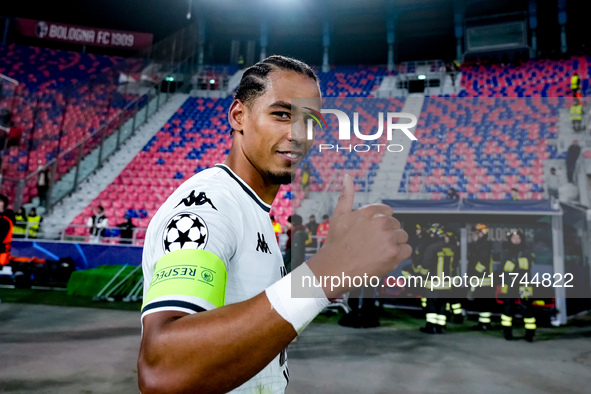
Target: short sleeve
193	240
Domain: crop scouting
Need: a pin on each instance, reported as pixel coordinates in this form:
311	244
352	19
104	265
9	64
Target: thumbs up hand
367	241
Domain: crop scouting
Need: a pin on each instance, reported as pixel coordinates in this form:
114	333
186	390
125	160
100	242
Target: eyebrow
281	104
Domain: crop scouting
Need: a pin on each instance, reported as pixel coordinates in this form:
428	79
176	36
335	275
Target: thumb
345	203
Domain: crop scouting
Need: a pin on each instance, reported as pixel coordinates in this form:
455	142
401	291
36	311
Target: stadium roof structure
424	29
477	206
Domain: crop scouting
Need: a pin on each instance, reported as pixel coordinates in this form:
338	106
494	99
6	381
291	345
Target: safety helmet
437	230
514	231
483	228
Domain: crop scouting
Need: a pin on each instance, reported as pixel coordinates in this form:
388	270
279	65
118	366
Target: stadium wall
84	255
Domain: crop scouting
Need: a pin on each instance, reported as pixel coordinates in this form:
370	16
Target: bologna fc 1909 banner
83	35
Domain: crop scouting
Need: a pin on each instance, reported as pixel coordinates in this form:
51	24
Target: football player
217	314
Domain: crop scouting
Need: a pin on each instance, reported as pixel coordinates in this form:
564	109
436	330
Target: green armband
189	272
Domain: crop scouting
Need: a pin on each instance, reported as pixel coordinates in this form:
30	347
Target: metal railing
106	235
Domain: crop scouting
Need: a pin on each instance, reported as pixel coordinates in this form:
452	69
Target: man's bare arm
218	350
212	351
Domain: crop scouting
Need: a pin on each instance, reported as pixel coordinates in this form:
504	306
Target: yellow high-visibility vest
574	82
576	112
19	228
33	225
277	228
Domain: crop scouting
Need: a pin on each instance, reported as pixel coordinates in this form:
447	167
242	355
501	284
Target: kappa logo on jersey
262	245
185	231
199	200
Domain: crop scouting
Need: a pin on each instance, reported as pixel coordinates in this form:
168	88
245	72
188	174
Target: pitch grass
61	298
399	319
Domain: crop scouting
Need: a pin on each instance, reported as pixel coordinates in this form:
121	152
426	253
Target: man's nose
298	131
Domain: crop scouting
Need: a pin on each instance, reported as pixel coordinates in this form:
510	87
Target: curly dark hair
254	80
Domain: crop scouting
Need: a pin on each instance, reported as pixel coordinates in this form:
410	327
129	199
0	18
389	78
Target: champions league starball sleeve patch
185	231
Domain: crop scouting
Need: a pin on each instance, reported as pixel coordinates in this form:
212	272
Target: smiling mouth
292	156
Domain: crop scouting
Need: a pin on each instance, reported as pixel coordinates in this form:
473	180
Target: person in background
20	223
14	136
518	260
575	83
480	264
322	231
553	183
312	227
452	194
33	223
440	258
571	159
126	230
97	224
276	227
514	194
6	225
576	114
42	186
306	179
295	249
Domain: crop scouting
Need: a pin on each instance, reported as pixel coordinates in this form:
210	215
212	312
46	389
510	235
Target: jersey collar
266	207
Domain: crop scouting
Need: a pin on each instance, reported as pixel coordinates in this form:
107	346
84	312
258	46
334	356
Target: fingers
378	209
400	236
405	252
345	203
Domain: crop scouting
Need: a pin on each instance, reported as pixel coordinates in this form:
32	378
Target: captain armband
192	273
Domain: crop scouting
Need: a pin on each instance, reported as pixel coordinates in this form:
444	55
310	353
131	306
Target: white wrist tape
299	312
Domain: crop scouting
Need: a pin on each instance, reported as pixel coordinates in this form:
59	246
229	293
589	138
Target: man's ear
236	116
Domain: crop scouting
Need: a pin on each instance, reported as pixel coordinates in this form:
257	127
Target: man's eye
282	115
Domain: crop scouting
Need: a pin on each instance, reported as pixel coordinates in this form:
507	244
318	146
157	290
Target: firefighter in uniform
440	259
425	236
517	259
454	306
480	265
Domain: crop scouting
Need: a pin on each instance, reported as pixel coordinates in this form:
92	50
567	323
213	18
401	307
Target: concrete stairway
71	206
387	181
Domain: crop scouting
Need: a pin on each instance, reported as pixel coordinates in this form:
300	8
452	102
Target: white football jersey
217	212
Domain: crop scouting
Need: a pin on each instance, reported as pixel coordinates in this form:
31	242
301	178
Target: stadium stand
63	97
496	144
197	137
351	81
535	78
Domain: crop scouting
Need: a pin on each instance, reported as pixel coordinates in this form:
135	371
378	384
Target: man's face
513	193
274	132
553	171
312	219
515	239
2	206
